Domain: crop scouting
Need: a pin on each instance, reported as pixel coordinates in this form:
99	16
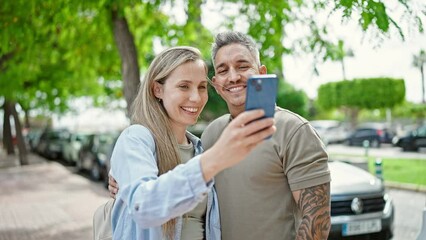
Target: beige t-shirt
255	196
194	221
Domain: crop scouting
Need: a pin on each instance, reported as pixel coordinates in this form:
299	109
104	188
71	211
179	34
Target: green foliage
58	51
290	98
369	93
54	51
373	14
410	110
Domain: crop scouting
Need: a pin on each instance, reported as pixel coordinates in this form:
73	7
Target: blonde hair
148	111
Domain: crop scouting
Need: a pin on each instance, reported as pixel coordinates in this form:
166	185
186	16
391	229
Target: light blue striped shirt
145	200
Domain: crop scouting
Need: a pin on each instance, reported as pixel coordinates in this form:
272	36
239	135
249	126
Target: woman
159	166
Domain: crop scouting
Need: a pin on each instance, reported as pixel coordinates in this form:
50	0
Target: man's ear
263	70
214	83
158	90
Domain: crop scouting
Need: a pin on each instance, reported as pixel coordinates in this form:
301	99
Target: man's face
234	64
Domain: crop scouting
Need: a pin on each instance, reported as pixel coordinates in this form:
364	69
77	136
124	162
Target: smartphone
262	93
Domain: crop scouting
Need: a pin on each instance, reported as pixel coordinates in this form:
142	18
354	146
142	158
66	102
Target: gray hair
226	38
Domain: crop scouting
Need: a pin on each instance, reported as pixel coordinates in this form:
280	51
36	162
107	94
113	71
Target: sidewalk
45	200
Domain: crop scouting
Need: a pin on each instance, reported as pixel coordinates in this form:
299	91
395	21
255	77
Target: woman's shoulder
137	132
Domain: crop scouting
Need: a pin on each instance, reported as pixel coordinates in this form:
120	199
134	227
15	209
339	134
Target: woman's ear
158	90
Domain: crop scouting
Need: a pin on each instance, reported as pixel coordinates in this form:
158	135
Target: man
282	189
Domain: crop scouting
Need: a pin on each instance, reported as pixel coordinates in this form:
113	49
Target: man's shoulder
219	122
288	118
213	131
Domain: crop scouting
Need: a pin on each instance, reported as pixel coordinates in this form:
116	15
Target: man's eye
244	67
222	71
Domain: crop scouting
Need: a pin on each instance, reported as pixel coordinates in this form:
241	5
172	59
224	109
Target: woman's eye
184	87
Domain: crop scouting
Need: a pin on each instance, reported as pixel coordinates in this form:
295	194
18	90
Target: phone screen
262	93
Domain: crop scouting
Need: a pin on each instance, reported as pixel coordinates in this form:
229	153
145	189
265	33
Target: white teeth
235	89
193	110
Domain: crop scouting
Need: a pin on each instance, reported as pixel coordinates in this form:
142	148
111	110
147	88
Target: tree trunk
27	119
7	130
343	69
129	58
351	114
193	11
23	158
423	84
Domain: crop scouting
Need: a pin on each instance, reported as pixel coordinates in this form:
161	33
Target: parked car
331	131
51	143
94	153
413	141
72	147
360	205
374	133
33	138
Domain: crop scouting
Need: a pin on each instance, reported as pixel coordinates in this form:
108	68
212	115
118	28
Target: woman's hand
112	186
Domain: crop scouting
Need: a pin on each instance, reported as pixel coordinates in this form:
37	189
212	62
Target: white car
360	206
72	147
331	131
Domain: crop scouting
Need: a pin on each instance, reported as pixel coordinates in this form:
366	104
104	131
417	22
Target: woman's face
184	93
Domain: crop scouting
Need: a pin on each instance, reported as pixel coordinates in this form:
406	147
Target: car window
422	132
364	132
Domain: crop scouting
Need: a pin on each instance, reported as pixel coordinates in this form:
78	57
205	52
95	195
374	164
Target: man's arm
314	204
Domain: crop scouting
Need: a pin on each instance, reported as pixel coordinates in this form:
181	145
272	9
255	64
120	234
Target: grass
401	170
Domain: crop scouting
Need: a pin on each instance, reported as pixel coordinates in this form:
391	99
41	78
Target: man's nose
234	75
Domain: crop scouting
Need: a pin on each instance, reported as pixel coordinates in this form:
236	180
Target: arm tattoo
314	203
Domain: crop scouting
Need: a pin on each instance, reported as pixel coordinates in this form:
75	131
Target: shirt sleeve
307	164
152	200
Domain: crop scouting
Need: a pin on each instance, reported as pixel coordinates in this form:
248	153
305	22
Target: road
386	150
49	201
408	213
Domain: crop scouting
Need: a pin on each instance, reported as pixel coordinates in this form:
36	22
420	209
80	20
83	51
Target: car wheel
347	142
375	143
79	163
95	172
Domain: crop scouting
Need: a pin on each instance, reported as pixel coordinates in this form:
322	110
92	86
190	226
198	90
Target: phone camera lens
258	84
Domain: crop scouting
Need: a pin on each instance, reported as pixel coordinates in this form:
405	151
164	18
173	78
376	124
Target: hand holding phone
262	93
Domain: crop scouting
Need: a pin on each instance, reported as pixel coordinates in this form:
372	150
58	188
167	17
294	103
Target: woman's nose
195	96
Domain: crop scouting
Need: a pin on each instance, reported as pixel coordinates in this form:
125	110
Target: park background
347	60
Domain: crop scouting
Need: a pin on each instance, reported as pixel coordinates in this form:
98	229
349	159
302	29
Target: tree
371	93
269	23
54	51
419	61
338	53
294	100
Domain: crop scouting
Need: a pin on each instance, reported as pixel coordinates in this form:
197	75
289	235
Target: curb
406	186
